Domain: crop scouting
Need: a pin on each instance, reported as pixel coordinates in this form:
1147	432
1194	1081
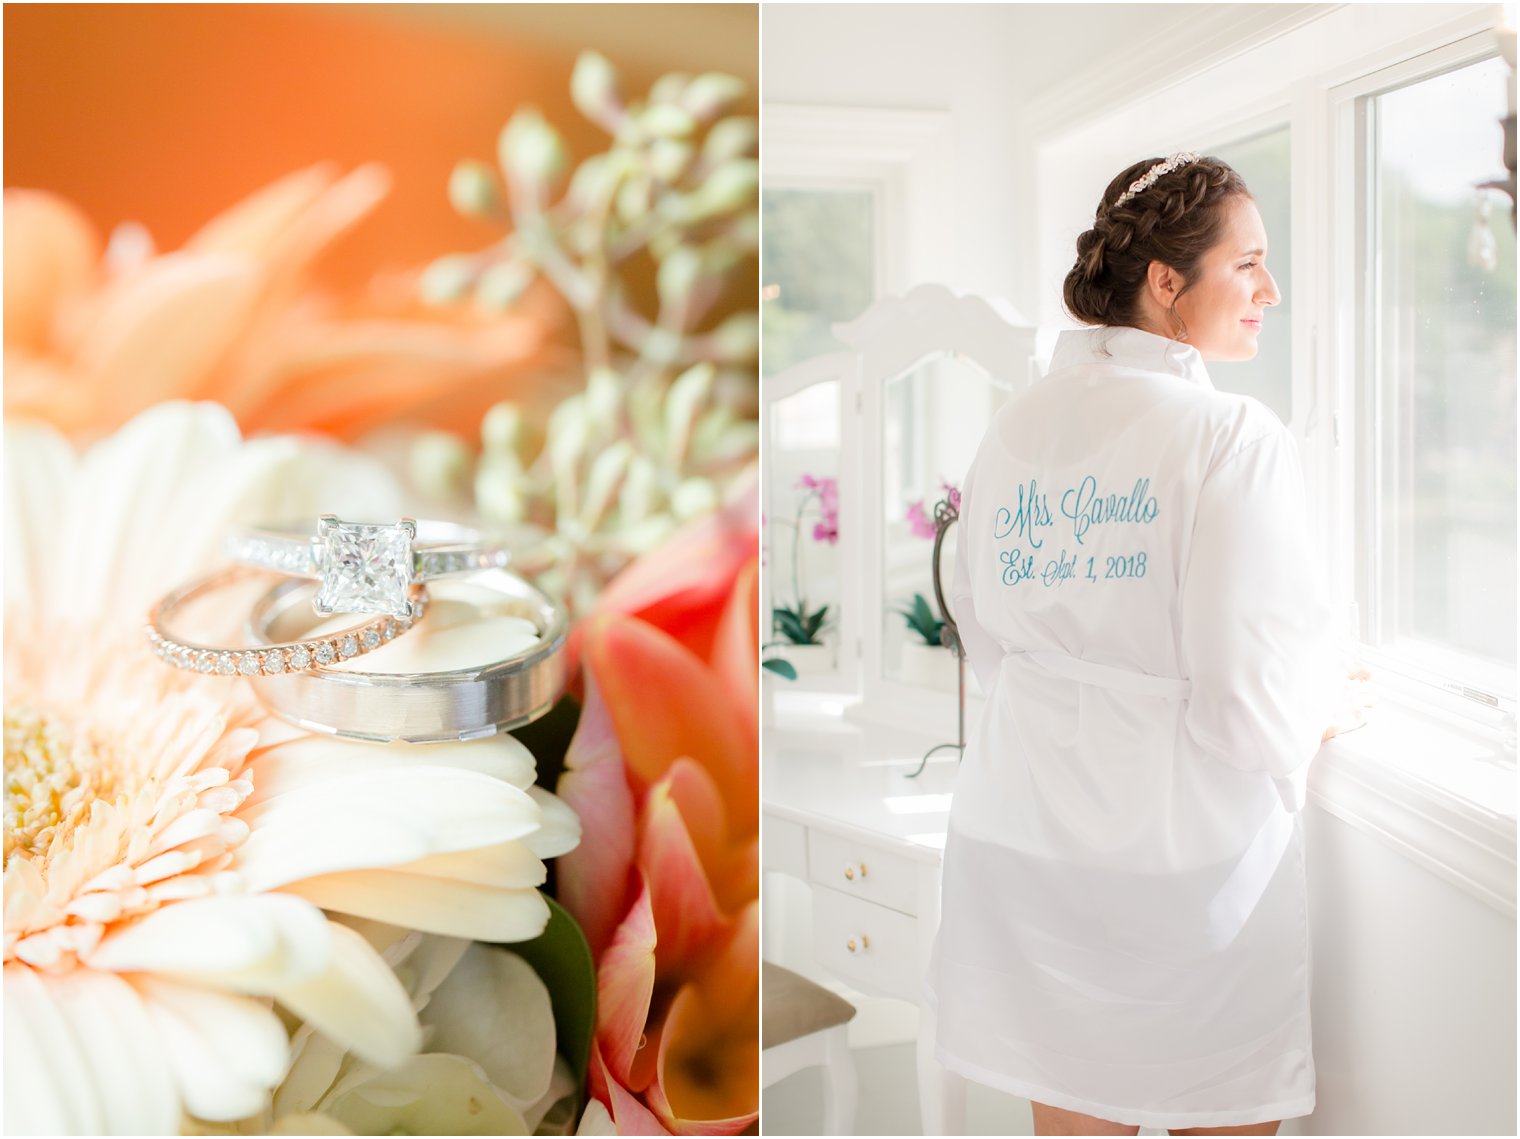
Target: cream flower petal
494	1009
508	864
252	943
149	506
65	1074
39	465
227	1051
304	760
435	905
380	819
357	1001
559	832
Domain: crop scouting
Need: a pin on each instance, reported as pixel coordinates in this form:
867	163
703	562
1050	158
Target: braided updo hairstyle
1176	220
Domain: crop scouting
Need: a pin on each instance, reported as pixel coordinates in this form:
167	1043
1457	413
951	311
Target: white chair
803	1025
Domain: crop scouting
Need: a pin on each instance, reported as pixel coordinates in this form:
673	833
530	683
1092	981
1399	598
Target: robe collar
1125	347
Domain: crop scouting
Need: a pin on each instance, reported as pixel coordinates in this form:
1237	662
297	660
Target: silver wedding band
431	707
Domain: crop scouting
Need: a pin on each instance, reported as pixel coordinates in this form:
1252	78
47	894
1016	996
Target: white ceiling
907	55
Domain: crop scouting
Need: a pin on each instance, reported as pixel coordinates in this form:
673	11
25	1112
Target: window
1436	548
820	267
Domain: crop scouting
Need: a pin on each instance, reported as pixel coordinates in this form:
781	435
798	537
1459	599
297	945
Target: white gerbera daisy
169	849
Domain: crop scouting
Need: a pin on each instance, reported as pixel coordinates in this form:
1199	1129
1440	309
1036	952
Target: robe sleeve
983	652
1255	620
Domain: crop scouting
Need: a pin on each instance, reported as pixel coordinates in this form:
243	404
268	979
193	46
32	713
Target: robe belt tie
1104	675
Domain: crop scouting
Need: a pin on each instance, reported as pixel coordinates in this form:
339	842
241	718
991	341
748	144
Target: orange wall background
167	114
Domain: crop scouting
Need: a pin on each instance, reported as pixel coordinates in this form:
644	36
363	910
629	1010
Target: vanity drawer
869	946
860	871
783	846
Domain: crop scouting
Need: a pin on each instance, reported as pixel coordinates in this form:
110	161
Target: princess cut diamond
365	568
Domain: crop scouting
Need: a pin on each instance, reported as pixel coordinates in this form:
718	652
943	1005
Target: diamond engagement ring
267	659
364	567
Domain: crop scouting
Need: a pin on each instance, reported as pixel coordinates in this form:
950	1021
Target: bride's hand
1358	697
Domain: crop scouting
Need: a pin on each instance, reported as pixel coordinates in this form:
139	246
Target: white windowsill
1431	787
1439	793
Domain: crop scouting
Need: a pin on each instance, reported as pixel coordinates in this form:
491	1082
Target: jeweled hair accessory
1140	185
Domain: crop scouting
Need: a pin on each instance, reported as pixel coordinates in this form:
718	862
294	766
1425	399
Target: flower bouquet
231	909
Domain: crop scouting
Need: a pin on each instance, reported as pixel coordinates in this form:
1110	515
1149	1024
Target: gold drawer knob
858	944
856	871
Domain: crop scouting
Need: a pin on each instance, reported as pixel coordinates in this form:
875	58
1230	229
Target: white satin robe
1124	923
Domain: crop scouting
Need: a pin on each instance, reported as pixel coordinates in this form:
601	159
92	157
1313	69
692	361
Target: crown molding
1214	34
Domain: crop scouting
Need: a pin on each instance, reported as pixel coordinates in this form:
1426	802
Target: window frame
900	157
1466	689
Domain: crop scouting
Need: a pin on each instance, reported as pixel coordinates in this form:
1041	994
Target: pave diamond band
367	567
266	659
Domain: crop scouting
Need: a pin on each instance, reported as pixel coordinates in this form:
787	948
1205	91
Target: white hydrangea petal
560	831
308	1123
431	961
39	473
434	905
494	1009
433	1094
310	761
380	819
357	1001
315	1061
251	943
227	1051
51	1085
561	1085
596	1120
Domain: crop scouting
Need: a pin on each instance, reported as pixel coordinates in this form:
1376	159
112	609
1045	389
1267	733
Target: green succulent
921	619
664	427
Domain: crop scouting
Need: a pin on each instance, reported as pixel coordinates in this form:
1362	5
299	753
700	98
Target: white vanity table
841	814
892	419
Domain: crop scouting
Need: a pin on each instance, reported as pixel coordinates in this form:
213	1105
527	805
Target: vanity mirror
933	367
811	613
858	448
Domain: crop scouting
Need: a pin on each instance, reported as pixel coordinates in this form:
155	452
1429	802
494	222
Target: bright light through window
820	264
1439	564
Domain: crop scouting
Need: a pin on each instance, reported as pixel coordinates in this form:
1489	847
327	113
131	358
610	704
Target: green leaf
562	960
789	625
782	668
811	623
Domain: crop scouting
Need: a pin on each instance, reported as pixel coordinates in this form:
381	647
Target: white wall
987	65
909	57
975	61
